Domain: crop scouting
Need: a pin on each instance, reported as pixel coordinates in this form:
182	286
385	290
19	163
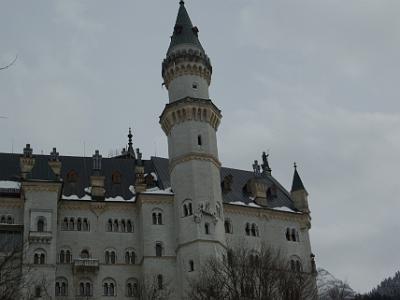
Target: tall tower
190	121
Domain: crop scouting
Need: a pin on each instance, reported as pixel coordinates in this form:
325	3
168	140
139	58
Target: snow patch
284	208
6	184
88	190
119	199
132	189
157	190
76	197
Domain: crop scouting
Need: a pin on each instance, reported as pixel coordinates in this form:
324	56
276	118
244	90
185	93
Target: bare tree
341	291
10	273
10	64
244	274
153	288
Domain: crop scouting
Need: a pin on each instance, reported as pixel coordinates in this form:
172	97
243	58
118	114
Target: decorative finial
139	156
97	161
54	155
256	168
28	150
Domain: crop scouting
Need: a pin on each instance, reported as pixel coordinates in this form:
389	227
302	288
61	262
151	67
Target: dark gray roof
82	166
297	184
184	32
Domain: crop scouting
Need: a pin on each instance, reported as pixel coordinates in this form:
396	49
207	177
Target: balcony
40	237
86	265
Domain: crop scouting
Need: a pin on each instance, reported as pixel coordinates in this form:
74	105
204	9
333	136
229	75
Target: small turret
299	193
26	161
55	163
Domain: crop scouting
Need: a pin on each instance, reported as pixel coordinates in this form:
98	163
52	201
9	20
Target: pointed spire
256	169
297	184
265	165
184	31
130	144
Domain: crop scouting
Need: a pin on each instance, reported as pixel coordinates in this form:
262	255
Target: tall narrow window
85	225
107	257
293	235
288	234
115	225
159	218
40	225
109	225
207	228
199	141
71	224
79	224
62	257
160	281
158	249
247	229
65	224
113	257
129	226
191	266
68	257
154	218
190	211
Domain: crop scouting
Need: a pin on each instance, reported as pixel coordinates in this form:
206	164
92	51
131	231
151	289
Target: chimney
140	183
55	163
26	161
96	180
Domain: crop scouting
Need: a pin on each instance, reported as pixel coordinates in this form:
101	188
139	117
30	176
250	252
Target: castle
95	227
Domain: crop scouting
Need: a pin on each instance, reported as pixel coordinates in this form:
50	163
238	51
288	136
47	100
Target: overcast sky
316	82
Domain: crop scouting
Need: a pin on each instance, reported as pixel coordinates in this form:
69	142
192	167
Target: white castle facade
93	227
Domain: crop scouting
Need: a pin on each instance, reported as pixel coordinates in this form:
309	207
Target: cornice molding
186	68
193	156
36	186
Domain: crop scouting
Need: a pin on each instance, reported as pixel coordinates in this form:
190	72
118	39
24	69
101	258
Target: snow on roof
157	190
76	197
6	184
284	208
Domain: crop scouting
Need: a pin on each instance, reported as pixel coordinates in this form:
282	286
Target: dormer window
116	177
72	176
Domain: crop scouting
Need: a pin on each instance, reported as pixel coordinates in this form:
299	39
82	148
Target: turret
190	121
299	193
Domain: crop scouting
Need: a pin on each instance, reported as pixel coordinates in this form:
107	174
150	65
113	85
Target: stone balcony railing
86	265
40	237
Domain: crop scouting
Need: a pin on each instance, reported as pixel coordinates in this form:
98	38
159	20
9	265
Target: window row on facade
85	287
79	224
110	256
119	225
6	219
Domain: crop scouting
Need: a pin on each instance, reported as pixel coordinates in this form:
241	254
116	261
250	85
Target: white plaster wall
183	139
182	86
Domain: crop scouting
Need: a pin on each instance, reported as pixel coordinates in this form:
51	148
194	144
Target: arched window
81	289
72	176
190	210
154	218
130	257
85	253
109	287
207	228
9	220
68	257
228	226
115	225
185	210
123	226
61	287
293	235
160	281
288	234
85	224
129	226
40	224
88	289
39	257
254	230
191	265
247	229
65	224
159	249
3	219
113	257
79	224
159	219
109	225
71	224
107	257
62	257
132	287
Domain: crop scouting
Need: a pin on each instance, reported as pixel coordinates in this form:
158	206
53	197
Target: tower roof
297	184
184	31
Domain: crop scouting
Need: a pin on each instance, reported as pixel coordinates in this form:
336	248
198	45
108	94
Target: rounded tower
190	121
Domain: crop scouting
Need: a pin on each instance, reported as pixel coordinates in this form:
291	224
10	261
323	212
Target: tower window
207	228
195	86
199	140
191	266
